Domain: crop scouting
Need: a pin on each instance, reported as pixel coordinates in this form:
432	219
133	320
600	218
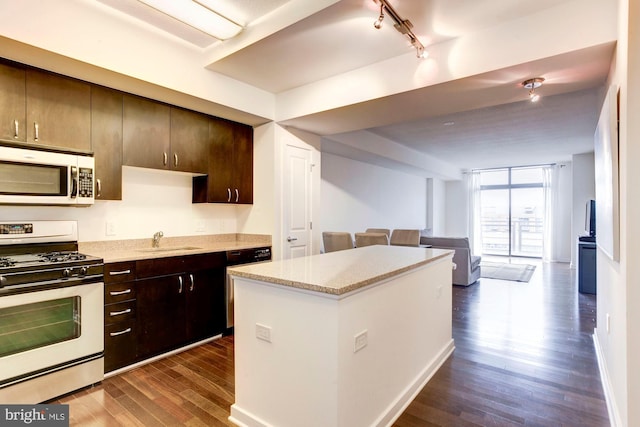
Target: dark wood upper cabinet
106	142
243	163
58	111
12	103
230	178
145	133
189	140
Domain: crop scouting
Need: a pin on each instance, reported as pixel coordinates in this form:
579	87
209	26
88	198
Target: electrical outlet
263	332
110	229
360	341
200	225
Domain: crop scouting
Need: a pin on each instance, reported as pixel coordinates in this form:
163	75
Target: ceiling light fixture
532	85
198	14
404	26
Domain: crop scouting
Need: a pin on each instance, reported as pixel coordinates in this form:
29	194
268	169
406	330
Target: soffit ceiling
280	50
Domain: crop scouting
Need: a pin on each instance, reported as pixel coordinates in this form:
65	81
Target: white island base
308	358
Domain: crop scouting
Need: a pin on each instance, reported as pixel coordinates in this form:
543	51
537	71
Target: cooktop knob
3	281
83	271
66	272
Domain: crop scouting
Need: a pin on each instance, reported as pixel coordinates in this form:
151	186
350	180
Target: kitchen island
346	338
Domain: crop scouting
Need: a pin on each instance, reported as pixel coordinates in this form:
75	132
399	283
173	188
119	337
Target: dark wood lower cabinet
172	302
205	316
161	309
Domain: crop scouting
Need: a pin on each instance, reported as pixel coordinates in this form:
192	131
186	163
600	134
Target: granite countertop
137	249
338	273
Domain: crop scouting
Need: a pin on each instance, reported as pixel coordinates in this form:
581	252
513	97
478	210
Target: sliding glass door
512	211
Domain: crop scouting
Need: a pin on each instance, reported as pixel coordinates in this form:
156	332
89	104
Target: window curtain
475	216
550	186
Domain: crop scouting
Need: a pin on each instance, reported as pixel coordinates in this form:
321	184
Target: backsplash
151	201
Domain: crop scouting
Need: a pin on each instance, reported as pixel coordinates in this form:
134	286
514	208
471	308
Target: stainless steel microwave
35	177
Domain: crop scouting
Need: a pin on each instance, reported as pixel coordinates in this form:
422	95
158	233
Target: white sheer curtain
550	186
475	229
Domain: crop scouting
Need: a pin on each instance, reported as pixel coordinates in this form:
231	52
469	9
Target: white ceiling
290	43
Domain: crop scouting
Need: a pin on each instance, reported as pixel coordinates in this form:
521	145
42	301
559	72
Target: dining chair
401	237
379	230
336	241
368	239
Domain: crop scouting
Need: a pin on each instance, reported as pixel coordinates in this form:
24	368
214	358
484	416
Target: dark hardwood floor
524	357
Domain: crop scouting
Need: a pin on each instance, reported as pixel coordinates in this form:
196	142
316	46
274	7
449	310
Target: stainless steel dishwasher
238	257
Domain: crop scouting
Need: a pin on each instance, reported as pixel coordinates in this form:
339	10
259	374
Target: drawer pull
36	130
116	293
118	313
117	273
15	129
115	334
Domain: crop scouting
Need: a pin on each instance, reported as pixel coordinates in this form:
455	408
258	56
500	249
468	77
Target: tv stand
586	271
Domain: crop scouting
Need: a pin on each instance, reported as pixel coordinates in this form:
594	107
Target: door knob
291	239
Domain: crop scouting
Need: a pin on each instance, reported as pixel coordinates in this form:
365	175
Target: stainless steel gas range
51	312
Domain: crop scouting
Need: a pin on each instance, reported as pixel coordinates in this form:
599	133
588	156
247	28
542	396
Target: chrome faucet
156	239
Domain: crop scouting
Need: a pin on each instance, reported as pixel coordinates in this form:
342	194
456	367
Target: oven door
49	329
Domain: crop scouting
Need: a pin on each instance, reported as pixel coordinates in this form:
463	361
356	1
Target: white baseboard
612	407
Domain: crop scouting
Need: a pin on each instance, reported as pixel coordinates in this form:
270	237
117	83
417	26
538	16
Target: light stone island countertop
137	249
338	273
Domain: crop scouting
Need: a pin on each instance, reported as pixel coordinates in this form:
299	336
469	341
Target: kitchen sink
170	249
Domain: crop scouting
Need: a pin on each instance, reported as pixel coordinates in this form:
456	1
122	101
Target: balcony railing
525	239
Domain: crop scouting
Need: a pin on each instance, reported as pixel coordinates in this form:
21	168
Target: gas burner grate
6	262
62	256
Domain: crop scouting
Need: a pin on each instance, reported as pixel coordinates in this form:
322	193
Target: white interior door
297	202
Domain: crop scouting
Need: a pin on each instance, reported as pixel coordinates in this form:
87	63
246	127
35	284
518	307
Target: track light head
532	85
378	24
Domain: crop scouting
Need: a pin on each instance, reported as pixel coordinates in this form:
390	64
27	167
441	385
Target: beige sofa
467	269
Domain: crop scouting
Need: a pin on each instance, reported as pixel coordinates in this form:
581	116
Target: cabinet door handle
164	159
175	160
115	334
117	273
116	293
15	129
98	188
180	283
291	239
228	194
237	195
119	313
36	130
193	283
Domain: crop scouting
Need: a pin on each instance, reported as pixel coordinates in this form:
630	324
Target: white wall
584	189
457	208
356	196
436	206
618	288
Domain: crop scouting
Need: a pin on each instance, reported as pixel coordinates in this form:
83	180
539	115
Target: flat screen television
590	218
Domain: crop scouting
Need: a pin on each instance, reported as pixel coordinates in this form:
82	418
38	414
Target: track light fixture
404	26
532	85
